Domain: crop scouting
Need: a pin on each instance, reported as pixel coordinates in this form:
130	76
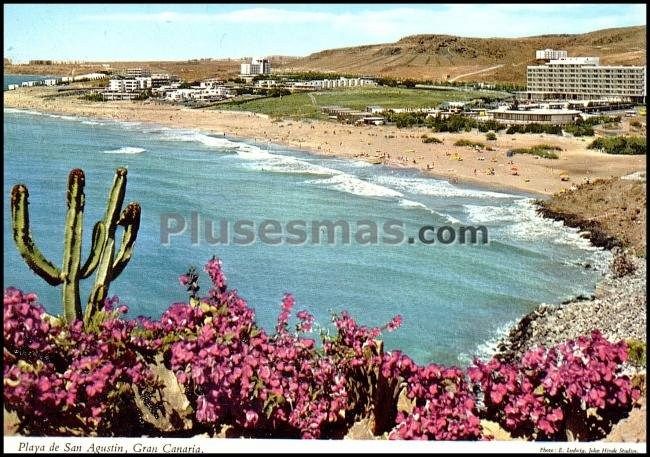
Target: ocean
454	298
18	79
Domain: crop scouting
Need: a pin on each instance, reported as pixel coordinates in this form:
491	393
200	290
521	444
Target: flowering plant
92	378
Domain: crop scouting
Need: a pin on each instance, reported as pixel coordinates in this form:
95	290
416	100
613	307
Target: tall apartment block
583	78
256	67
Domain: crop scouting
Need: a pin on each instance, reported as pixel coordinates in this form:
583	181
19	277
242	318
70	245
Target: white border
60	445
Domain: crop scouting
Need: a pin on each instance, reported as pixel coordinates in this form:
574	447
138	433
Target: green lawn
294	105
307	105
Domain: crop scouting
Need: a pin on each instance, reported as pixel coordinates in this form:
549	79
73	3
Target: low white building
341	82
89	77
548	54
535	115
203	94
136	72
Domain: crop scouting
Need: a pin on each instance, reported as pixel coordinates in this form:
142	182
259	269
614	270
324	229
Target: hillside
189	70
442	57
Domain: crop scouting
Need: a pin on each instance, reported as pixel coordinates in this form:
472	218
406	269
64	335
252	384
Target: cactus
111	265
71	270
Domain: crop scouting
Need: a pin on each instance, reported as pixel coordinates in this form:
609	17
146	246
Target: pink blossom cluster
444	406
63	376
236	373
534	397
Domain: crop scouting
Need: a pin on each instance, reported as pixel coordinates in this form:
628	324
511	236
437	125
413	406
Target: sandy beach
377	144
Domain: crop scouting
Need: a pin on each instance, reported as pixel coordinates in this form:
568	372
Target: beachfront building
200	94
137	84
583	78
259	66
552	116
550	54
119	95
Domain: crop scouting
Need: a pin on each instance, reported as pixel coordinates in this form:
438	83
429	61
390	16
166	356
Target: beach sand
377	144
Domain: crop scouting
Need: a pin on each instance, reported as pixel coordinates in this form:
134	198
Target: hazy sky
166	31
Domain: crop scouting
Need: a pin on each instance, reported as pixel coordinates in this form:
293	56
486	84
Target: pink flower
394	324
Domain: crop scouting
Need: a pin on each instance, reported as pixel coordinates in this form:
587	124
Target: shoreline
387	145
618	305
617	308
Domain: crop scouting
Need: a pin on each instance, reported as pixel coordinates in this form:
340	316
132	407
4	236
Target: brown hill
189	70
442	57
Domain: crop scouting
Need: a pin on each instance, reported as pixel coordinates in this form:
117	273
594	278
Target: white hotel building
583	78
256	67
549	54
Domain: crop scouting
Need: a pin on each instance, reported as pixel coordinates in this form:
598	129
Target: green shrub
464	142
636	352
636	124
579	130
491	136
431	139
627	145
534	128
453	123
596	120
95	97
491	124
544	151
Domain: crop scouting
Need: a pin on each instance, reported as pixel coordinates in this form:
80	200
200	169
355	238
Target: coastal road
475	72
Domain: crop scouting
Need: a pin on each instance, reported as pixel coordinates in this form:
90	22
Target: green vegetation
430	139
278	92
94	97
359	98
544	151
535	128
579	129
596	120
402	120
627	145
491	136
464	142
585	127
295	105
636	124
637	352
307	105
491	125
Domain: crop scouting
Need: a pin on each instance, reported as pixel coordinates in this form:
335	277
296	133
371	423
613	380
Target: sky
178	32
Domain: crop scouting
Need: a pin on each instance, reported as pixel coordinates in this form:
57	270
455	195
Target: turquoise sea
454	298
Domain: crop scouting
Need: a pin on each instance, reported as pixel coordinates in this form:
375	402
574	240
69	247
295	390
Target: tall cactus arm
99	232
115	199
103	276
130	220
23	238
73	238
